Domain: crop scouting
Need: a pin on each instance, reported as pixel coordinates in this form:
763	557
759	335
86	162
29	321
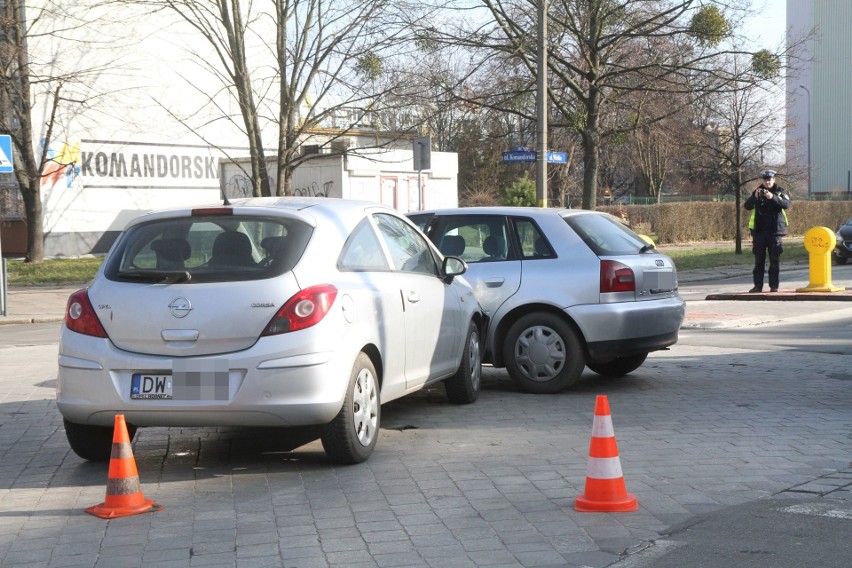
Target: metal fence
11	202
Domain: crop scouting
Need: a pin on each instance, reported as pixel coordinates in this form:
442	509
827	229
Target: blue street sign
524	156
6	166
519	156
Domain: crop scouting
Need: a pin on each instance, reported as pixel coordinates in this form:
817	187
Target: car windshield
208	249
605	235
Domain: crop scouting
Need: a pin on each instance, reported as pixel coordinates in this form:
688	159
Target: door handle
413	297
494	282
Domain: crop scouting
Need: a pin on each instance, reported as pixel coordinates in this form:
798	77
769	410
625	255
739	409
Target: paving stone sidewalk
486	485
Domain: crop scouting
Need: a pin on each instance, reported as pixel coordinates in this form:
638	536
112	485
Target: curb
20	320
839	296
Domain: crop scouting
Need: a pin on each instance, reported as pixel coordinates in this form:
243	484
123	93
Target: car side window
474	238
408	249
532	241
605	235
363	251
422	221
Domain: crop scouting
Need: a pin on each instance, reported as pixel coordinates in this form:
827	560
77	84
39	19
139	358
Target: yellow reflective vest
754	212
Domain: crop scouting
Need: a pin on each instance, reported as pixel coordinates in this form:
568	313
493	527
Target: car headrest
452	245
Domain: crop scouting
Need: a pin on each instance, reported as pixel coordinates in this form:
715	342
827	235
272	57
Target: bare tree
607	59
307	70
741	128
49	74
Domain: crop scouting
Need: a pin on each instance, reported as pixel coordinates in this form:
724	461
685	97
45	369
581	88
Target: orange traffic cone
123	495
605	490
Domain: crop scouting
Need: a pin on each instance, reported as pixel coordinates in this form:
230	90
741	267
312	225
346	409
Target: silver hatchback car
266	312
563	289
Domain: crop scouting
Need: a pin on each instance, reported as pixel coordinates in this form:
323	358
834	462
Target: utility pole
809	139
541	109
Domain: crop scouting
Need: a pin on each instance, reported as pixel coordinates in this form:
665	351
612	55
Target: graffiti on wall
238	186
313	190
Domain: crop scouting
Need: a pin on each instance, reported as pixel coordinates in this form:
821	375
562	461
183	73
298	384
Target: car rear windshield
605	235
208	249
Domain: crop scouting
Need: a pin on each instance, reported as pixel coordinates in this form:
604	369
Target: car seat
171	253
232	248
275	248
452	245
541	248
494	248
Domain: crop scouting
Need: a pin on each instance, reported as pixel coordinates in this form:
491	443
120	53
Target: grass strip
80	270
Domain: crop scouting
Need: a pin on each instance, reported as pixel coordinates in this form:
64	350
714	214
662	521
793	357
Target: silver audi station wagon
266	312
563	289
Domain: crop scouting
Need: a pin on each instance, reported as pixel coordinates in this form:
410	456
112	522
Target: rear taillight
80	316
305	309
616	277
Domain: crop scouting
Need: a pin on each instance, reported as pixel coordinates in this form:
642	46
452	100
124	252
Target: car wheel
840	259
351	437
618	367
463	387
93	443
543	354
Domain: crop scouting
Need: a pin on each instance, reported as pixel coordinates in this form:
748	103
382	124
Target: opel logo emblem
180	307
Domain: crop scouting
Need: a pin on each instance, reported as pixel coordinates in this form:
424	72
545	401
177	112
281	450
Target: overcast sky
768	22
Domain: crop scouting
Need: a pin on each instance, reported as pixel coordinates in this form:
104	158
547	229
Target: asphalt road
736	442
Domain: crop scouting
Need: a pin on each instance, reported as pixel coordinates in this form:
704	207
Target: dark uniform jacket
768	215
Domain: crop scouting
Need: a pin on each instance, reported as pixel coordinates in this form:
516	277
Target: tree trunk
285	176
35	225
591	150
590	172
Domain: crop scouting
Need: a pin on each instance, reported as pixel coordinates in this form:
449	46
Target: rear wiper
167	276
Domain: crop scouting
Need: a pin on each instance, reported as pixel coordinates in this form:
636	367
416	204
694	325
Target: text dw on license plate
151	386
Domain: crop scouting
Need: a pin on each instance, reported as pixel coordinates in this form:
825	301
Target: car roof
509	210
290	206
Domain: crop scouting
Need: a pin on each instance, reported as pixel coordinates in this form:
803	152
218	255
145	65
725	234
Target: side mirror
451	267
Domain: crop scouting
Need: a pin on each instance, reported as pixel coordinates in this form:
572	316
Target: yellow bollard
819	242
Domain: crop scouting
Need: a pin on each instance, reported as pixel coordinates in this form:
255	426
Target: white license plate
658	282
151	386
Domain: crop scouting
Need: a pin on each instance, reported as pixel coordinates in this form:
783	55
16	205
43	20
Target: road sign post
6	167
422	159
2	286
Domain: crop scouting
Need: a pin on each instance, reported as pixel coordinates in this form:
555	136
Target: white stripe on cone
604	468
602	427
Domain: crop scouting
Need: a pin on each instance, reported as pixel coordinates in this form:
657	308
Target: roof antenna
225	196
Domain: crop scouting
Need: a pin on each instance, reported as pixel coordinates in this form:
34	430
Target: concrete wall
825	71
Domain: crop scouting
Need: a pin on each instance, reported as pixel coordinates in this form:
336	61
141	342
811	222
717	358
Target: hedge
697	221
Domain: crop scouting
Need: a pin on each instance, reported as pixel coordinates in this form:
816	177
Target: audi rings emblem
180	307
659	262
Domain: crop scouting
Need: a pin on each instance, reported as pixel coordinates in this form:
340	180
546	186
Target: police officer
768	224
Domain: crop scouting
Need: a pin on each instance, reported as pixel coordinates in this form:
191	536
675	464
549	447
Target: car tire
92	443
351	437
840	259
543	354
618	367
464	386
